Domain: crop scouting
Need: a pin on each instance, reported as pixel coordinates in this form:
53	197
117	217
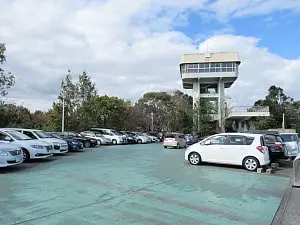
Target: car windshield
117	133
289	137
18	136
55	136
42	134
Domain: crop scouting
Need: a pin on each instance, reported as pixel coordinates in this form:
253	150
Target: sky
132	48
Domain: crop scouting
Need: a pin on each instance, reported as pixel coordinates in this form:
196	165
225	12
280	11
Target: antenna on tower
207	54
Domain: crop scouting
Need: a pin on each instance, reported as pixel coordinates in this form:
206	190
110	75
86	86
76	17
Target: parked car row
18	145
251	150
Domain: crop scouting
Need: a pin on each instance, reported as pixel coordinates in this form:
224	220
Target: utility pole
63	114
152	122
283	121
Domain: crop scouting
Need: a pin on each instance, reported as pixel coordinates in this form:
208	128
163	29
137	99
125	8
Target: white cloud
259	68
128	49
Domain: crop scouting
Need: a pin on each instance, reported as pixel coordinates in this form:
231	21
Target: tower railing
250	109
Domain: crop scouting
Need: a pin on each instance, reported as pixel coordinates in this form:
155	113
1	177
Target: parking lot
136	184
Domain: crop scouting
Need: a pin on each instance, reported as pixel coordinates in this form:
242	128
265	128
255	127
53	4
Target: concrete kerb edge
277	220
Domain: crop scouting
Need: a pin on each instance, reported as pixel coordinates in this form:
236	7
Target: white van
115	136
32	149
59	146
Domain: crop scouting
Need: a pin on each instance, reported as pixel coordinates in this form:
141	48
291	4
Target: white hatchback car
247	150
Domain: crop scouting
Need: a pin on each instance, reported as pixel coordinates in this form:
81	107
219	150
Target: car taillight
261	149
278	144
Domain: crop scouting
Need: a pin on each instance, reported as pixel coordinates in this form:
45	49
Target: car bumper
6	161
277	155
75	147
60	151
292	153
170	144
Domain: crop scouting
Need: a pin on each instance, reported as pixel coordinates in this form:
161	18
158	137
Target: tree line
170	110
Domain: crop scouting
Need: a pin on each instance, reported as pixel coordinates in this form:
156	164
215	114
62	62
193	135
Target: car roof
289	133
25	129
242	134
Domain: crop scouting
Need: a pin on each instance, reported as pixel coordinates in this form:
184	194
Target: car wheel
26	155
194	158
98	142
250	163
114	142
139	141
165	146
178	146
87	144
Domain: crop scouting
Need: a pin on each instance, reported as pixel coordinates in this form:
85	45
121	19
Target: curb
277	220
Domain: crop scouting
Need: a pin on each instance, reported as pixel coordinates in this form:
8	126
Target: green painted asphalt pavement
135	184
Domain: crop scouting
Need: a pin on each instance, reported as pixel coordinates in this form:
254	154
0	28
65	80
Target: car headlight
2	153
56	143
37	146
74	142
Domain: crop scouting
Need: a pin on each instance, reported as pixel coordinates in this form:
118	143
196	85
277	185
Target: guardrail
296	171
250	109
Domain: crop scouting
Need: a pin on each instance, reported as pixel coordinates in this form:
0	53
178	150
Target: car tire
194	158
114	142
178	146
87	144
139	141
26	155
165	146
250	163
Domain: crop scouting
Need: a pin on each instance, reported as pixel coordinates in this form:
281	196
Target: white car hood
31	142
53	140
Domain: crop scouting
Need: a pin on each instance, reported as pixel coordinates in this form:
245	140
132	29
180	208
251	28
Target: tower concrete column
221	112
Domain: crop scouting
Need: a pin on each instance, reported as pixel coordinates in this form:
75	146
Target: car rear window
270	139
289	137
170	136
279	139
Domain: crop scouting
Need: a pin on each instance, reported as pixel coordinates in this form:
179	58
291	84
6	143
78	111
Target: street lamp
63	112
152	121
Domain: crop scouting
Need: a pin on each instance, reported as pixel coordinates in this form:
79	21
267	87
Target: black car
86	141
274	142
73	145
131	139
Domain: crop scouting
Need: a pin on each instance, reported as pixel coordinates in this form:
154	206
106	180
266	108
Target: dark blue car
73	145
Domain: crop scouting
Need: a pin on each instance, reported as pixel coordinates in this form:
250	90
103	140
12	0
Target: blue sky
279	32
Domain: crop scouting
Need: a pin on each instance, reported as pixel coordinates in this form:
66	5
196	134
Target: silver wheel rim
194	159
250	164
24	155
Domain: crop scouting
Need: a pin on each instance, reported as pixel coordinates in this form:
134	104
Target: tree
158	103
6	80
204	112
279	102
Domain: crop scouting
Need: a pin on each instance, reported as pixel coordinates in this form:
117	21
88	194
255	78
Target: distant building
207	75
